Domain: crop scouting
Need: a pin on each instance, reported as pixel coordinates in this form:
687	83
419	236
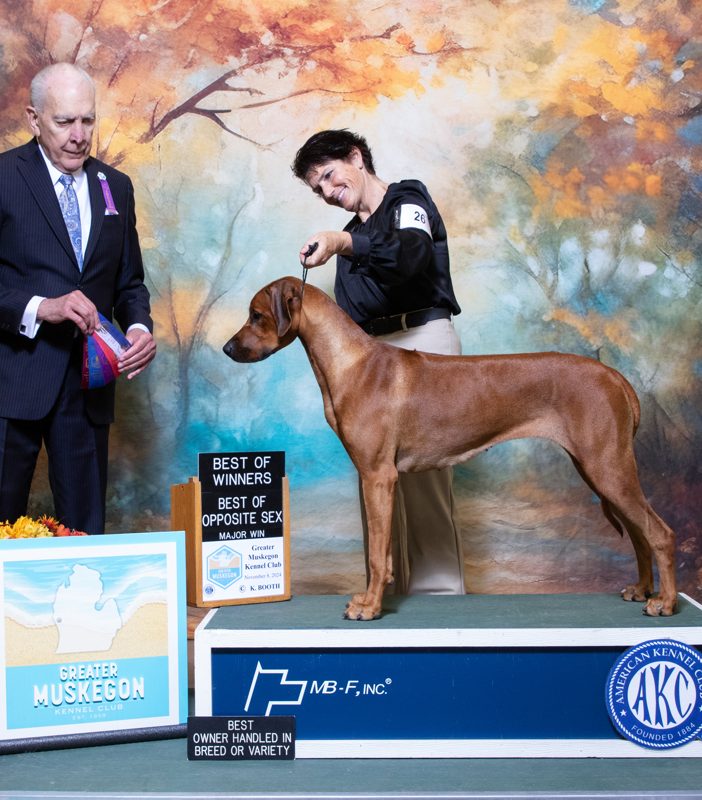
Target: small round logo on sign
654	693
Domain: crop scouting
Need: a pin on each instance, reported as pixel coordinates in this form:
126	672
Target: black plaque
241	738
242	495
244	533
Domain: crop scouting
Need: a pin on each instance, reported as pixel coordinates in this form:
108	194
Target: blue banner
418	694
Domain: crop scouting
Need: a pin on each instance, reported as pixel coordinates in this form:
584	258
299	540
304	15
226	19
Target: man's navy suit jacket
36	258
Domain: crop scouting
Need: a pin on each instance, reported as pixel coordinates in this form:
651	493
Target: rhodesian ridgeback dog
404	411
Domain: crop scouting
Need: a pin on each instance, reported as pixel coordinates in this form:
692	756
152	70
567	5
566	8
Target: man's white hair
40	82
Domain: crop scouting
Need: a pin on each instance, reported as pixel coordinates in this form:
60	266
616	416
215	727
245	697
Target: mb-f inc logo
224	567
273	683
654	693
270	688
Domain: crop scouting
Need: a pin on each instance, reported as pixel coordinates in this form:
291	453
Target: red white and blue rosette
101	352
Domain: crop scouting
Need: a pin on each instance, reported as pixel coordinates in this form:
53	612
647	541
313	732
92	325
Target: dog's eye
255	316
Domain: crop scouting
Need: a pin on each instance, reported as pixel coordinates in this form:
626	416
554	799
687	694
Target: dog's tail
633	401
635	409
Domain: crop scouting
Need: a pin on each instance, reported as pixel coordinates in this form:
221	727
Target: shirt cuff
361	244
138	327
29	325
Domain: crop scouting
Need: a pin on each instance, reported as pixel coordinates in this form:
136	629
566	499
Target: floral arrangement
28	528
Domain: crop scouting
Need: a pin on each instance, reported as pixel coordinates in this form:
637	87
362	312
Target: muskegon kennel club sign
93	638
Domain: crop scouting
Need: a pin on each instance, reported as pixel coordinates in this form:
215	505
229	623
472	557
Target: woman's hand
329	243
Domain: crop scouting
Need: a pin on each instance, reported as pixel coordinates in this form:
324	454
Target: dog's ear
283	302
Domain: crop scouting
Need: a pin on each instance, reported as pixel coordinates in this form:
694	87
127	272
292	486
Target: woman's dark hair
327	146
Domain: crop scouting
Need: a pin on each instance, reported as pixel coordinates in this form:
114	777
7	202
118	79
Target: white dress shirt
29	324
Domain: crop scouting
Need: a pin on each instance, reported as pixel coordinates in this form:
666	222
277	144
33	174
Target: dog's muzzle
234	350
242	354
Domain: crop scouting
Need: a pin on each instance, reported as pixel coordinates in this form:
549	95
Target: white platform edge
488	748
463	637
207	640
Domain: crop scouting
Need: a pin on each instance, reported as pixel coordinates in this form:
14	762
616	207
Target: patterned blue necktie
71	214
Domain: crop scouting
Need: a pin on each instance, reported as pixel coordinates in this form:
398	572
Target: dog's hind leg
643	588
378	494
662	541
613	477
651	537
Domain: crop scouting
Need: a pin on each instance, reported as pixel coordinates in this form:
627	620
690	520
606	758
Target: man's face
64	125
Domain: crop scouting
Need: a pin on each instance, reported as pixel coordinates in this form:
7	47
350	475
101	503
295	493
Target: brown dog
399	410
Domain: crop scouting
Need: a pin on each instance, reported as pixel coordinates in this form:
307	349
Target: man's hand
74	307
139	355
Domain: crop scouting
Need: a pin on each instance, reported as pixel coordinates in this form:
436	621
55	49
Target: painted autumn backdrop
562	140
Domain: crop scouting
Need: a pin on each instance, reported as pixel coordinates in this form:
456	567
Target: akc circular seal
654	693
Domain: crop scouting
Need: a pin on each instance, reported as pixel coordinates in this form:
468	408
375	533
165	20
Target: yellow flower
27	528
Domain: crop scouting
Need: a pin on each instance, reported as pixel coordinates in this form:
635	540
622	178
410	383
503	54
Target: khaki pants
427	548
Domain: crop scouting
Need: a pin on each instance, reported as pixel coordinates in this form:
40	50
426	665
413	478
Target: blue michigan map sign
93	635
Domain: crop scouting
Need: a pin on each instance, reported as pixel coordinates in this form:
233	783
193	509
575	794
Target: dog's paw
659	607
362	606
635	593
360	612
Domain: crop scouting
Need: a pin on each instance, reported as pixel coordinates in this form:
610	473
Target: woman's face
340	182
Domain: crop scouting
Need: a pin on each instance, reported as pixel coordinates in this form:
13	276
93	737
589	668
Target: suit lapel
33	169
97	209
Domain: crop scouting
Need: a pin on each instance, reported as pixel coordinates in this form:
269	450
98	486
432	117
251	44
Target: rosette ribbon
101	352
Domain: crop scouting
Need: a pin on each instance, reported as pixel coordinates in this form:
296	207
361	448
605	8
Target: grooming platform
476	676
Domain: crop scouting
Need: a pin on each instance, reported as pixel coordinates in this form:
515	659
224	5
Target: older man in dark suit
68	250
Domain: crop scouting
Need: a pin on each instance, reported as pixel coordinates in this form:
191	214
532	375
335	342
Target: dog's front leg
378	494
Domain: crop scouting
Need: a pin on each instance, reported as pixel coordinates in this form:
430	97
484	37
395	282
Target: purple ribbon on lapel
110	208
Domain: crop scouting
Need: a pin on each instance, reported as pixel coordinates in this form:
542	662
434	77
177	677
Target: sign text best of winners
243	546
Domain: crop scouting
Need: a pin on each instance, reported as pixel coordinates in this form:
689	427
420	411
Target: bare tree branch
293	56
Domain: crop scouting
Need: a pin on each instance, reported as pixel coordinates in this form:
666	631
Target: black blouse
400	259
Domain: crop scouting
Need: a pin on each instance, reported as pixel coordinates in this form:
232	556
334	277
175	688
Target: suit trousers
426	540
77	458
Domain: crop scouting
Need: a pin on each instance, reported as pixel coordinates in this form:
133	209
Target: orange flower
28	528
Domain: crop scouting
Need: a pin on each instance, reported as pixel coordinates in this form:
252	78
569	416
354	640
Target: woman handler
393	279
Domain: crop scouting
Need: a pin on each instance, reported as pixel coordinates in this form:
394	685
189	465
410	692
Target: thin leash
305	268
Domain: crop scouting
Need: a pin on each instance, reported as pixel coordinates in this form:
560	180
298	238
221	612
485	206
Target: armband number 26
412	216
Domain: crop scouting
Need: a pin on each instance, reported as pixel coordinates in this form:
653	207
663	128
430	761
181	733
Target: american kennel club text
655	694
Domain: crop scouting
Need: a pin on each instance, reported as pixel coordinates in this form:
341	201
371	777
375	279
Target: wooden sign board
236	519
